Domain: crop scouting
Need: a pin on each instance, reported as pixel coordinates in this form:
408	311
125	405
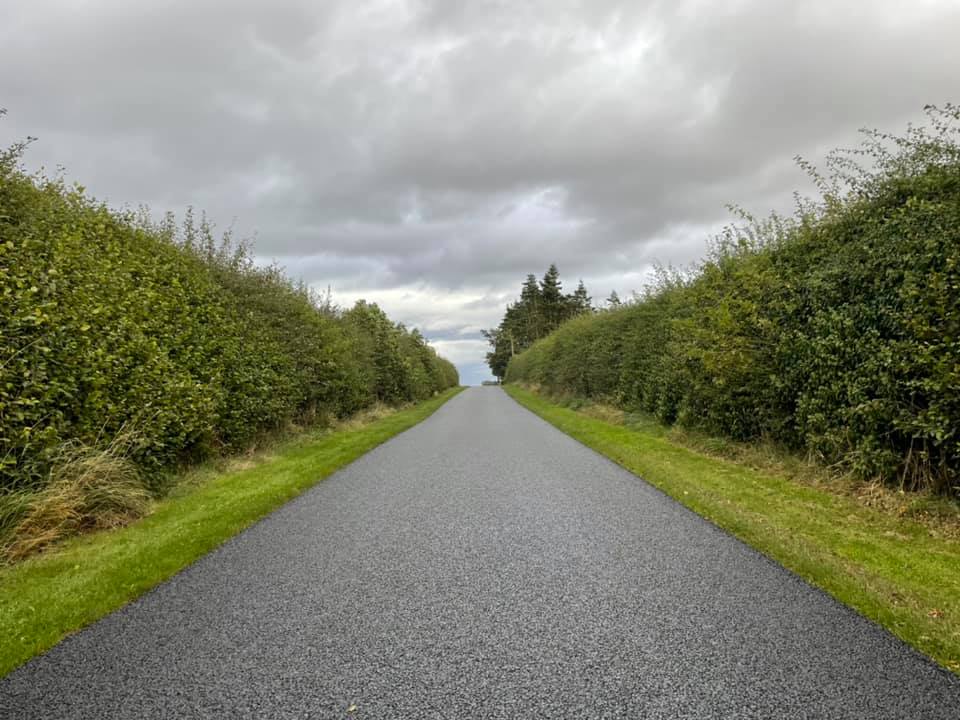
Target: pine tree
580	301
551	295
530	303
541	309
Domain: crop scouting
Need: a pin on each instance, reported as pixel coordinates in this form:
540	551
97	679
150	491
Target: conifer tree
551	295
541	309
580	301
530	302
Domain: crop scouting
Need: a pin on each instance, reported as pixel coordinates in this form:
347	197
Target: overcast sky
428	155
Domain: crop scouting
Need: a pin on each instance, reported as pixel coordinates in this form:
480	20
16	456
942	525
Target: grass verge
46	597
894	570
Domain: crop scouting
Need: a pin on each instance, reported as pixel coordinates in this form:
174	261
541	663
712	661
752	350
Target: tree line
541	309
835	331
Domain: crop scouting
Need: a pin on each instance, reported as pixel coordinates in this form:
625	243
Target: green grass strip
890	569
45	598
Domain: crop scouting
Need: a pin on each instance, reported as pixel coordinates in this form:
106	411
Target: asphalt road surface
485	565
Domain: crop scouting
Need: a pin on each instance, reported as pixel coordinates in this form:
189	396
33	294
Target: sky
427	155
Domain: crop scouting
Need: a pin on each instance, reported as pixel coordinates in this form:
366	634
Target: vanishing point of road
482	565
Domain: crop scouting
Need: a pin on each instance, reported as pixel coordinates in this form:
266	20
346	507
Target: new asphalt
482	564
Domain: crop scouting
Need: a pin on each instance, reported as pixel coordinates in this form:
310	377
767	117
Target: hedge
112	322
835	331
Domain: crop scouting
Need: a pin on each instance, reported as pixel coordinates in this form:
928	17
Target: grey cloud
451	147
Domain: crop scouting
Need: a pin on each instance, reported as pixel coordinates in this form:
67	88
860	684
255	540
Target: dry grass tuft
606	413
89	489
371	414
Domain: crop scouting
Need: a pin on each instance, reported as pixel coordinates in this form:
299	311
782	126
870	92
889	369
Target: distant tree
551	295
613	302
541	309
499	355
580	301
530	302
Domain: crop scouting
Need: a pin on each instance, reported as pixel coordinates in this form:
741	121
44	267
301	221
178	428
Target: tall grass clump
88	488
111	321
835	331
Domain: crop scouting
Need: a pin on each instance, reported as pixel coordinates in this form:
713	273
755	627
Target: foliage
109	321
836	331
541	309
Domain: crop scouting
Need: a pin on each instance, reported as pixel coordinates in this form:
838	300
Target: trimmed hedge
836	331
111	322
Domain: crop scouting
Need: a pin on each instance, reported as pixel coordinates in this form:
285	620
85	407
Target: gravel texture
482	564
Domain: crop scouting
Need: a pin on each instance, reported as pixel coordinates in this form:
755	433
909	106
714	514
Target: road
482	564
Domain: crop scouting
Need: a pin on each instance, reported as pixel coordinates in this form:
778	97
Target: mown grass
893	570
44	598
